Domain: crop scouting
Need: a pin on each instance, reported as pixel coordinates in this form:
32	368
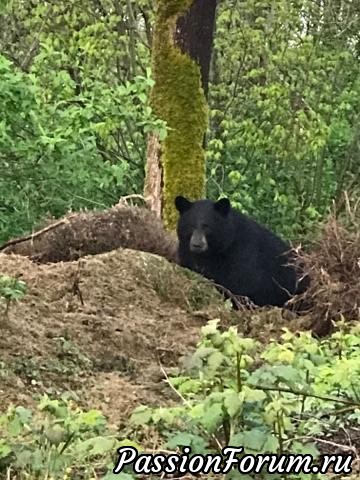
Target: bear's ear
182	204
222	206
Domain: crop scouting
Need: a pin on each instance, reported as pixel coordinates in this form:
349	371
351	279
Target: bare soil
99	327
105	327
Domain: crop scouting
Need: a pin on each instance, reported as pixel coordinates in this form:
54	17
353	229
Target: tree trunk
181	53
194	36
153	175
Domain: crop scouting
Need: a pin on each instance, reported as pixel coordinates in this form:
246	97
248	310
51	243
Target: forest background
284	98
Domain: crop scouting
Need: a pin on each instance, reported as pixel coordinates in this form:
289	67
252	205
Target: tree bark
153	174
181	55
194	36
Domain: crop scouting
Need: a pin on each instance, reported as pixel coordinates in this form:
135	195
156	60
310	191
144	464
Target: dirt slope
103	326
136	313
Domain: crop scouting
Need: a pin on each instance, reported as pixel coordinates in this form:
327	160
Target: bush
276	399
49	156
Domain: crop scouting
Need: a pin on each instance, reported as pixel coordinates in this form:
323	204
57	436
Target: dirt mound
333	266
101	326
98	327
90	233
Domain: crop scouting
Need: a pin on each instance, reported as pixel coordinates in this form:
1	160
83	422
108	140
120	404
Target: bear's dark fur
234	251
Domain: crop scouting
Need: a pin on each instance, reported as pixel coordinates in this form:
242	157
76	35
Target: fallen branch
10	243
134	196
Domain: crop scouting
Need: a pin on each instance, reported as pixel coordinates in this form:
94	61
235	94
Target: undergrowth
293	396
11	290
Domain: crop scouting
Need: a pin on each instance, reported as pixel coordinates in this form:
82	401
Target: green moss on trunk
178	98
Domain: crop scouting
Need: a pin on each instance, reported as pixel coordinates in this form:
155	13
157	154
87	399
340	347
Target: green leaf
212	417
182	439
141	415
252	440
5	449
215	360
287	373
210	328
97	446
233	403
56	434
252	395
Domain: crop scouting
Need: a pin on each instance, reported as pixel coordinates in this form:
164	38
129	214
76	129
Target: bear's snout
198	242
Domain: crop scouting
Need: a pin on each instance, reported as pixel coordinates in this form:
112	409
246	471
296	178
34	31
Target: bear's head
204	226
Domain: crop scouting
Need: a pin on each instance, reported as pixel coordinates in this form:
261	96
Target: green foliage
11	290
75	115
276	399
49	154
285	99
58	440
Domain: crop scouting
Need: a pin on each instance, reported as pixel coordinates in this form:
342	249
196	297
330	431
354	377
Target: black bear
234	251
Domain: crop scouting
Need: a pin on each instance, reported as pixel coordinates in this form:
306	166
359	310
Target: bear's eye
206	228
189	229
